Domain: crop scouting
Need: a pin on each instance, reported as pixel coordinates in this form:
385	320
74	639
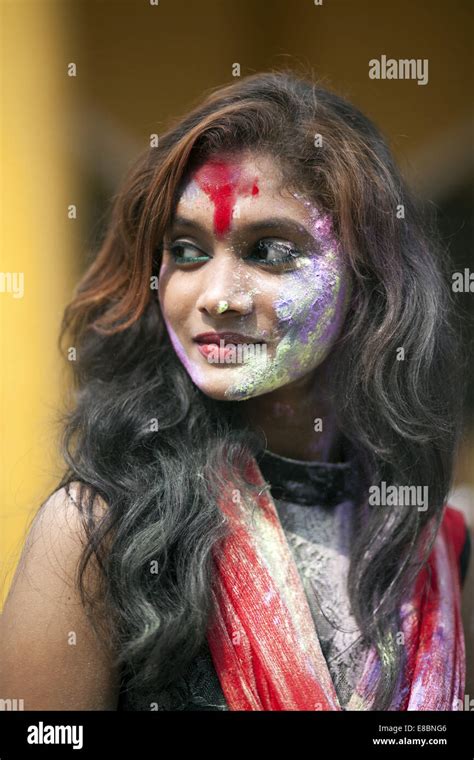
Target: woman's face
253	286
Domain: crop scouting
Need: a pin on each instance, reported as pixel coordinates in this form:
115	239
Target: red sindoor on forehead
223	182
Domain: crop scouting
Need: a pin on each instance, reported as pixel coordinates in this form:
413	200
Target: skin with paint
245	255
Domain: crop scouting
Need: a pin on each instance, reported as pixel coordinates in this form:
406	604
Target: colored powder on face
305	335
223	182
309	314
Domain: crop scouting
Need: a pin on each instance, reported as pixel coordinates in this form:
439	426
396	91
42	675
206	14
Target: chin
225	391
221	393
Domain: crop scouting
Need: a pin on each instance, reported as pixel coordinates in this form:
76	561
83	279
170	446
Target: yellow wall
37	240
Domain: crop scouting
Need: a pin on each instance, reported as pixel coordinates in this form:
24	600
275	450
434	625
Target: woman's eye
274	252
187	253
269	252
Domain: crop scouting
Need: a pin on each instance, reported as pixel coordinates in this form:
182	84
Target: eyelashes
285	253
176	250
281	254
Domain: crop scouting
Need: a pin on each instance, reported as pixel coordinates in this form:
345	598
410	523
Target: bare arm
49	654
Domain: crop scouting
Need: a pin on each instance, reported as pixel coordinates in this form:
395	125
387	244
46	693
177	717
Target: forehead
225	188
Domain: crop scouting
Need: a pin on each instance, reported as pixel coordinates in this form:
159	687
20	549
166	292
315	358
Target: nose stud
222	306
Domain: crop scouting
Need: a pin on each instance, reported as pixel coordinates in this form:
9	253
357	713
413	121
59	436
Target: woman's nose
224	289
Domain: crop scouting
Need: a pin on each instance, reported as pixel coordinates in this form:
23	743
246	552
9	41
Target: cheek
312	294
314	304
309	313
173	298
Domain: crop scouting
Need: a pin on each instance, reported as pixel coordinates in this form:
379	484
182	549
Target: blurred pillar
37	257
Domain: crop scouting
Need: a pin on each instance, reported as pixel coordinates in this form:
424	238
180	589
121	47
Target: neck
297	420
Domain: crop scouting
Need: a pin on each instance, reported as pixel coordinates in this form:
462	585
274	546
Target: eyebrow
272	223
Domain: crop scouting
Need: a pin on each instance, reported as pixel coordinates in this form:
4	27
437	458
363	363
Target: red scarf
263	640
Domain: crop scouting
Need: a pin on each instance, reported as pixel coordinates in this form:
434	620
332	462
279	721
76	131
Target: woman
263	434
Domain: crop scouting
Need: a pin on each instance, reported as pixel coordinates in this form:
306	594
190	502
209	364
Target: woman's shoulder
63	512
51	653
68	501
56	537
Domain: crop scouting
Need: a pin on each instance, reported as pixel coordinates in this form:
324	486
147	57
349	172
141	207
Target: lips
228	337
226	343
